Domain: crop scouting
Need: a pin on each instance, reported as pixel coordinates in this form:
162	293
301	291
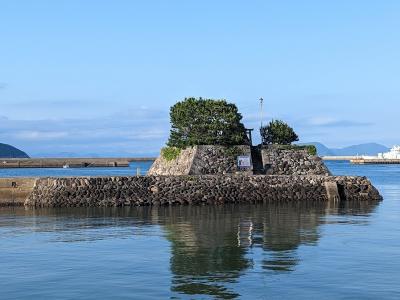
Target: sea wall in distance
70	162
196	190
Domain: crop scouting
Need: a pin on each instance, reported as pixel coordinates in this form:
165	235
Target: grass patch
311	149
170	153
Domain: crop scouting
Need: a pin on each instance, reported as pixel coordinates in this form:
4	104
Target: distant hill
362	149
8	151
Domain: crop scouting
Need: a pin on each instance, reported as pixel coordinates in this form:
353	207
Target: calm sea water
130	171
291	251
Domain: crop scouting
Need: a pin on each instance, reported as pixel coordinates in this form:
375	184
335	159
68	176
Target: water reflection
210	246
205	249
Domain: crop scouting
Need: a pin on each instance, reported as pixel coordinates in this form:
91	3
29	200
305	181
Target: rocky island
209	160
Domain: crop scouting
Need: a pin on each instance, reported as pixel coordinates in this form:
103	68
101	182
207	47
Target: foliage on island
311	149
198	121
170	153
278	132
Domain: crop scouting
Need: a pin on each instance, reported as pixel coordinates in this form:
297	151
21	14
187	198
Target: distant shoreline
337	157
6	163
84	162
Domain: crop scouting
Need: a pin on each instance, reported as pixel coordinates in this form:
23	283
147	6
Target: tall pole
261	110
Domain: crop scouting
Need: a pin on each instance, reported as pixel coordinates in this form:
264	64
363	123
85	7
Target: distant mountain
362	149
8	151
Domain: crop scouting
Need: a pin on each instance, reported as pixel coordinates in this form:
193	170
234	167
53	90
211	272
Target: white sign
243	161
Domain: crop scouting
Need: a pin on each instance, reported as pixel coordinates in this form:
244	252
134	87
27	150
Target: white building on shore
394	153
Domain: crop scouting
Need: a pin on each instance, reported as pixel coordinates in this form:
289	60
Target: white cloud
322	120
329	121
35	135
143	130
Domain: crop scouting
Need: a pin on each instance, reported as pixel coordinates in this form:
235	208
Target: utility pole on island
261	110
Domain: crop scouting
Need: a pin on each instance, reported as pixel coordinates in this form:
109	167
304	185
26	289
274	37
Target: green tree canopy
198	121
278	132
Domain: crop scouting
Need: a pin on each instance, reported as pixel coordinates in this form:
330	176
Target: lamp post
261	110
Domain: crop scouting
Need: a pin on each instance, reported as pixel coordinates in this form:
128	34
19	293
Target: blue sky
99	76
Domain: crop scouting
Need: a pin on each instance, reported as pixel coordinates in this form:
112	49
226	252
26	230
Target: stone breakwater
196	190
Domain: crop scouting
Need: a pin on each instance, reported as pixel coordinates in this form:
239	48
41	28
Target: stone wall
218	159
281	161
206	159
201	160
179	166
205	189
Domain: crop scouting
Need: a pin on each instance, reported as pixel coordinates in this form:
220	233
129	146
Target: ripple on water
298	251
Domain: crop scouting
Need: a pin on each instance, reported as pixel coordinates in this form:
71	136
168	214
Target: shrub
198	121
278	132
311	149
170	153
